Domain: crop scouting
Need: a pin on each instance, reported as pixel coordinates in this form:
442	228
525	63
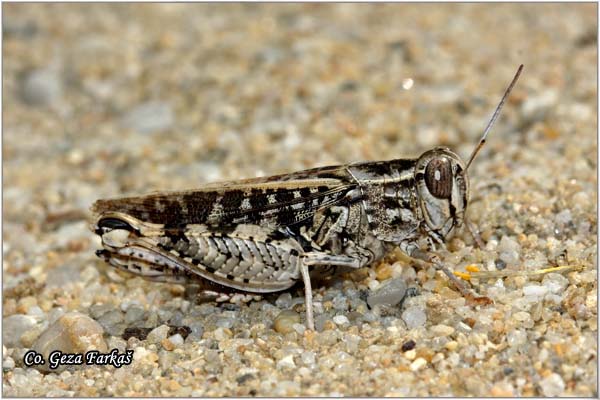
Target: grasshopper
262	235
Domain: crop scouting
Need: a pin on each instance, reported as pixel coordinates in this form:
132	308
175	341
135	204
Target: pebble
521	316
340	303
14	326
225	322
516	338
414	317
451	345
410	354
320	321
500	265
8	364
373	285
98	310
42	87
552	385
167	344
25	304
408	345
150	117
111	318
284	301
28	338
176	339
341	320
535	290
284	322
222	333
418	364
352	342
286	362
308	358
197	330
115	342
37	312
391	293
563	218
509	250
72	333
164	314
442	330
555	283
299	328
158	334
133	314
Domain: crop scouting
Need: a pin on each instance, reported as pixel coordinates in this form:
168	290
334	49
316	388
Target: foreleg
434	260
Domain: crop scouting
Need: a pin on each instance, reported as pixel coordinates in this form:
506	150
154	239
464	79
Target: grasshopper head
443	188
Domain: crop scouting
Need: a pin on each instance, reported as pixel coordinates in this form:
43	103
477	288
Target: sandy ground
101	101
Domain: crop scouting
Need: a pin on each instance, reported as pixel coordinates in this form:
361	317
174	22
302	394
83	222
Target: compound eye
438	177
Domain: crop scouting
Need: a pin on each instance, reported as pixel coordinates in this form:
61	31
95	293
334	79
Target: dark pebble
406	346
230	307
244	378
500	265
140	333
184	331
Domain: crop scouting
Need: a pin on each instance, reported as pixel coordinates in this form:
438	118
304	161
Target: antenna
494	117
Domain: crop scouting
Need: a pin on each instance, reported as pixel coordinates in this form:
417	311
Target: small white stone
222	333
9	363
374	284
509	250
140	353
535	290
157	334
284	301
42	87
437	358
516	338
552	385
418	364
286	362
341	320
442	330
563	217
464	327
414	317
300	328
308	358
556	283
522	316
176	339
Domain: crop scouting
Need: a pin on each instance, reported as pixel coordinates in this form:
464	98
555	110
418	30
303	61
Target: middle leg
317	258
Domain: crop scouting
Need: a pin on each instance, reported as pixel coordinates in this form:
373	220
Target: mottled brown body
257	235
263	235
